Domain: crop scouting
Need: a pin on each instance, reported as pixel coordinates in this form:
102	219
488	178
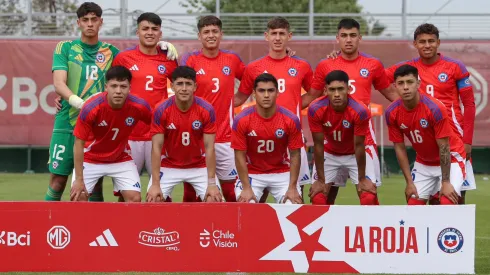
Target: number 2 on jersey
150	80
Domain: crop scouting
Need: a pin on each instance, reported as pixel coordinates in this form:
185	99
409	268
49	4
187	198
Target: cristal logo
219	238
14	239
160	238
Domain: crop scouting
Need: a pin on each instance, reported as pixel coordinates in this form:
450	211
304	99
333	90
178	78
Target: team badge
226	70
129	121
161	69
55	164
292	72
450	240
279	133
346	123
364	72
196	125
424	123
442	77
100	57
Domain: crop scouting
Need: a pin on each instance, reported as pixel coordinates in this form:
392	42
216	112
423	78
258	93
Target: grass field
32	187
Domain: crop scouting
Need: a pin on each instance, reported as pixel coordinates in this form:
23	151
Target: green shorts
61	153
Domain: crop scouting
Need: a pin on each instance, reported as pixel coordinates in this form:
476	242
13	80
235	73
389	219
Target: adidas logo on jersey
252	134
201	71
106	239
328	124
233	173
171	126
403	127
137	185
134	68
103	123
305	178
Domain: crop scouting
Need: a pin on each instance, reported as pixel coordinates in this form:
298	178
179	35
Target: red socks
446	201
367	198
413	201
319	199
228	190
189	193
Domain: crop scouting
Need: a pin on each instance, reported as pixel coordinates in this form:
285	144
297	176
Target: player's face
265	94
117	91
407	87
348	40
89	25
148	33
337	93
210	37
184	89
427	45
278	39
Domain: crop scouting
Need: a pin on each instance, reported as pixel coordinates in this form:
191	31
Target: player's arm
212	192
360	152
60	74
468	99
311	95
245	89
390	93
401	156
154	192
382	83
317	85
447	189
318	155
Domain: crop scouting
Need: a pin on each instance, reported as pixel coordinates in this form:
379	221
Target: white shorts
141	154
170	177
304	169
470	182
339	168
427	179
225	161
277	184
124	175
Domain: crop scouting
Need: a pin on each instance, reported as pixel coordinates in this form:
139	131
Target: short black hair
405	70
265	77
426	29
184	72
278	22
209	20
337	75
150	17
348	23
118	73
89	7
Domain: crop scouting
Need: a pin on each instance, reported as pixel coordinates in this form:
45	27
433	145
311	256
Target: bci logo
13	239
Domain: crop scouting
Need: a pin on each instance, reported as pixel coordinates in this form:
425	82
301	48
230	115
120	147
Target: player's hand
293	196
213	194
318	187
76	101
172	53
367	185
334	54
154	194
247	195
290	51
78	191
411	191
57	103
467	148
448	191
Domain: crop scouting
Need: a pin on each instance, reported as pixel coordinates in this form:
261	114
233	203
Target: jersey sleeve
145	113
60	56
83	127
394	133
319	76
238	136
209	121
308	79
314	119
442	126
187	60
295	140
115	51
380	79
118	60
157	121
361	122
247	82
240	68
389	72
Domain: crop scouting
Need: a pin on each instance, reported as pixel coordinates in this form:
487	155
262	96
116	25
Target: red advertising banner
27	93
205	237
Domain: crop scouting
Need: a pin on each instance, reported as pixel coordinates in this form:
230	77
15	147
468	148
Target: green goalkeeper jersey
86	66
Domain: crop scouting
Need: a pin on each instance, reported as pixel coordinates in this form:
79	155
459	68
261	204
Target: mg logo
58	237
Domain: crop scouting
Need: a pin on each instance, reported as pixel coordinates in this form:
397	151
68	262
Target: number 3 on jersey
216	85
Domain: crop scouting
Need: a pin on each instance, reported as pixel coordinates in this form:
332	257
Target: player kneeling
110	116
184	126
440	161
339	125
261	137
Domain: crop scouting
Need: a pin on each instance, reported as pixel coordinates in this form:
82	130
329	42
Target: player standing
101	137
262	135
364	73
424	120
184	126
343	122
292	74
216	73
446	79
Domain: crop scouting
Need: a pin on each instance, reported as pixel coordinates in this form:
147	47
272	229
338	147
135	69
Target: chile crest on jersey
196	125
161	69
292	72
346	123
226	70
424	123
442	77
129	121
364	72
279	133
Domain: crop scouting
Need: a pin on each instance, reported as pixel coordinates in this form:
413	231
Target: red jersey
150	74
339	128
106	130
216	84
447	80
292	73
364	72
266	140
183	145
422	125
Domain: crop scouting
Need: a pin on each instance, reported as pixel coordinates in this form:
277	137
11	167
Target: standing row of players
217	70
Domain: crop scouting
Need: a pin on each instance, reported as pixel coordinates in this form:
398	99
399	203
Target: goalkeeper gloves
75	101
172	53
